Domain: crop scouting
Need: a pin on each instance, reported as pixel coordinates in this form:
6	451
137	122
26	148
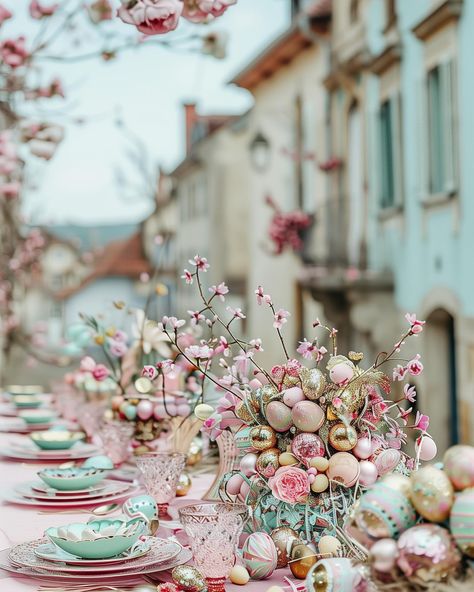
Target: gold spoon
98	511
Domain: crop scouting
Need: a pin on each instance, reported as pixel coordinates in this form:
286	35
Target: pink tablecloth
19	524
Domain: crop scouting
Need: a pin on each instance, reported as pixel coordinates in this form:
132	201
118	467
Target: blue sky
147	89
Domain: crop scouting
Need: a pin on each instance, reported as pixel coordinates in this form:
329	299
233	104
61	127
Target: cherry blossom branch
272	307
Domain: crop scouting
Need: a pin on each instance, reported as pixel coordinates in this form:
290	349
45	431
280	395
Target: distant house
85	269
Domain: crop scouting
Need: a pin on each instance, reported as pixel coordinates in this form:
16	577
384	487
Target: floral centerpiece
315	431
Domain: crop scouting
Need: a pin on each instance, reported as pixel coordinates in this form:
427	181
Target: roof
121	258
286	47
90	238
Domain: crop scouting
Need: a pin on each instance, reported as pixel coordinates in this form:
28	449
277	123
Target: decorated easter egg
287	459
130	412
368	473
183	409
383	555
313	382
307	446
145	409
244	490
242	439
141	506
259	555
159	411
307	416
329	545
399	482
203	411
188	578
267	462
248	464
386	459
342	437
432	493
101	461
459	466
343	468
425	448
383	512
341	370
302	560
293	395
428	553
234	483
263	437
363	448
335	574
284	538
461	522
278	416
247	409
184	485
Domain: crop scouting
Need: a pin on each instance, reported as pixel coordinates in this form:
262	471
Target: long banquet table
19	524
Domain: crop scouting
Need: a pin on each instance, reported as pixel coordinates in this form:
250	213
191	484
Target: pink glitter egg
307	416
145	409
247	464
341	373
234	484
307	446
363	448
292	396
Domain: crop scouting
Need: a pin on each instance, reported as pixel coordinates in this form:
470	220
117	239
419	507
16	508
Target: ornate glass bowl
33	416
56	439
26	401
73	478
99	539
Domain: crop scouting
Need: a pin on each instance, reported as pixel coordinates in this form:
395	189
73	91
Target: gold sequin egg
188	578
184	485
263	437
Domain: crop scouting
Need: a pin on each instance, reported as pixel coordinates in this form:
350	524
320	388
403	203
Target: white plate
158	551
21	427
84	451
110	488
183	557
14	498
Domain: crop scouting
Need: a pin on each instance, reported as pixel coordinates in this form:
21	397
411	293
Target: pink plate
184	556
161	551
110	488
14	498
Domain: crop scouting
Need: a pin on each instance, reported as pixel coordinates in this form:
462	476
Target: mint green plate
56	439
26	402
115	537
73	478
33	416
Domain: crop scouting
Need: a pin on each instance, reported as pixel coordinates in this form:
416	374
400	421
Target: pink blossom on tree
187	276
5	14
200	263
261	297
415	367
198	11
422	422
399	372
38	11
415	324
13	52
280	318
236	312
151	17
220	291
410	393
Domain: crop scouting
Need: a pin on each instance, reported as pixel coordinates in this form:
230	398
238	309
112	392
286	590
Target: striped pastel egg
259	555
461	522
384	512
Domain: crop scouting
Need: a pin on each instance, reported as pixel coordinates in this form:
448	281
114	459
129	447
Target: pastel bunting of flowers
290	484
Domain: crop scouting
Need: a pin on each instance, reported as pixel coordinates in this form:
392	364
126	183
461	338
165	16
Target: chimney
190	118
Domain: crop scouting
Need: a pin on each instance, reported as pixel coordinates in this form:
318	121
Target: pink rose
290	484
151	17
415	367
150	372
100	372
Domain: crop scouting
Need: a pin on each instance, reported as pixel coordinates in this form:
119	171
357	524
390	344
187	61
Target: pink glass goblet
214	530
161	472
116	437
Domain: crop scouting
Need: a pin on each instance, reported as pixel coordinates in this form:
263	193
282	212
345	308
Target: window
391	175
299	142
440	136
354	11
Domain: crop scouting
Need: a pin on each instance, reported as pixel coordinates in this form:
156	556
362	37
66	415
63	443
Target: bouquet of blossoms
315	432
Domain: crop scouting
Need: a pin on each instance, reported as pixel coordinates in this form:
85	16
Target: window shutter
448	79
397	152
423	140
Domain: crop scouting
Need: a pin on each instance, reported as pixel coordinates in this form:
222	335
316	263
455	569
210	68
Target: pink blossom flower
212	426
120	336
223	347
196	317
187	276
5	14
404	414
13	52
399	372
200	263
199	11
242	362
173	322
422	422
415	367
316	323
256	345
261	297
310	349
333	332
280	318
410	464
117	348
236	312
227	403
151	17
87	364
415	324
198	352
37	11
221	290
290	484
149	372
337	402
100	11
292	368
165	367
410	393
100	372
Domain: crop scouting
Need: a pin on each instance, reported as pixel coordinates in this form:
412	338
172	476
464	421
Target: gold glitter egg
194	452
302	560
184	485
263	437
246	410
432	493
313	383
188	578
267	462
284	538
342	437
265	394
